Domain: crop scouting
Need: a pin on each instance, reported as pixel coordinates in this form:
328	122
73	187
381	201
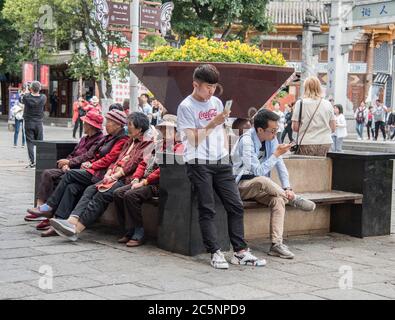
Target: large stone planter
248	85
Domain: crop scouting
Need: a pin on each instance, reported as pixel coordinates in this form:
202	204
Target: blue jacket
246	161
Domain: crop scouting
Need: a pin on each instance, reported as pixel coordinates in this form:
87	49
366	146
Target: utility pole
134	52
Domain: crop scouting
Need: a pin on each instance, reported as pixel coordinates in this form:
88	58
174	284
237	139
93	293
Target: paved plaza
96	267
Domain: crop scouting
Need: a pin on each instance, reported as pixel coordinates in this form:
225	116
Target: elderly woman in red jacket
75	181
93	125
145	184
97	197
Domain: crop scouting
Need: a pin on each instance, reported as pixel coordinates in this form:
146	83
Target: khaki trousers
263	190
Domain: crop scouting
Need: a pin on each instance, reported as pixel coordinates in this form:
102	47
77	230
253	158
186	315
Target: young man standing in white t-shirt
200	120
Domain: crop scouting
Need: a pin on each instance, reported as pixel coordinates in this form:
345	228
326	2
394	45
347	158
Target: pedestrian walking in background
288	123
17	114
379	119
370	123
281	121
317	122
158	111
33	115
80	108
341	129
360	119
54	103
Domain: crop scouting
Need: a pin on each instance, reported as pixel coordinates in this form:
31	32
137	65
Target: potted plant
249	76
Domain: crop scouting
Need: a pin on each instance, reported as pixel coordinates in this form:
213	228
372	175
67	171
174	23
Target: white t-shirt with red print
193	114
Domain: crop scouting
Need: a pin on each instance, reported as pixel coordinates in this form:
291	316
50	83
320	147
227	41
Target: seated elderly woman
145	184
75	181
96	198
84	151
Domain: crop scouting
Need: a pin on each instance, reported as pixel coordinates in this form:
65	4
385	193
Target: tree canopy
204	17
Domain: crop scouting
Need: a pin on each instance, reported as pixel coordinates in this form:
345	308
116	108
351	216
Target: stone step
368	145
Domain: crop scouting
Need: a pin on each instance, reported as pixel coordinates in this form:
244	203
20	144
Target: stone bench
335	184
175	224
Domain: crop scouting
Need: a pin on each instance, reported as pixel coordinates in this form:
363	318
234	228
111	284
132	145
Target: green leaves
204	17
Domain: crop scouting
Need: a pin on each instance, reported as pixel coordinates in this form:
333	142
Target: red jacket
153	178
100	165
129	161
75	109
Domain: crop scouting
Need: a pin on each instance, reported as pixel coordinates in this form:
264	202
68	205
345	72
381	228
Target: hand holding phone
228	105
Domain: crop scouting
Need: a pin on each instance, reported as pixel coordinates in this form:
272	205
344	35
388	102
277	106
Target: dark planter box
370	174
47	154
248	85
179	229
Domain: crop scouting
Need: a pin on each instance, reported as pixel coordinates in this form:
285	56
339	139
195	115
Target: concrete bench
310	177
335	184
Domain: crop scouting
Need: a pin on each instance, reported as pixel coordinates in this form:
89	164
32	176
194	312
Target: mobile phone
228	105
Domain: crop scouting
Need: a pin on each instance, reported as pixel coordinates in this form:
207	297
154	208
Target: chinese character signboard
27	72
119	13
375	13
13	97
149	17
44	76
157	18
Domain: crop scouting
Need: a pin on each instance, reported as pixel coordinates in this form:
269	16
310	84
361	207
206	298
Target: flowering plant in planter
207	50
249	76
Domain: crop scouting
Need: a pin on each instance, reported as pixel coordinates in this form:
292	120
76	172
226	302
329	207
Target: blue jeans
337	145
359	128
18	124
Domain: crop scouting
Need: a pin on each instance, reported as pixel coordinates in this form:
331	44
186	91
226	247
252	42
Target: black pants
77	123
93	203
129	203
207	178
379	125
287	130
370	129
69	191
34	131
50	178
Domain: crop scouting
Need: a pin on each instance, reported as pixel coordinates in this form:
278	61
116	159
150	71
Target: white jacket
341	126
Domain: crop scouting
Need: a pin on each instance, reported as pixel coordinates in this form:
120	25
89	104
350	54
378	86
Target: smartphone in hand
228	105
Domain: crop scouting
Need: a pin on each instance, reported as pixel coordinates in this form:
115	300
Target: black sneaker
31	165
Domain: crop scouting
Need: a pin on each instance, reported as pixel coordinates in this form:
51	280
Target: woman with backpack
360	119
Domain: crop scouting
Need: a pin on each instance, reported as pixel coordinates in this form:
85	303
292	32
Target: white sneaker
302	203
218	260
280	250
246	258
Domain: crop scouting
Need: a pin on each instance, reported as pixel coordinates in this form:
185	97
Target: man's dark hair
139	120
145	95
340	107
35	86
262	118
117	106
126	104
206	73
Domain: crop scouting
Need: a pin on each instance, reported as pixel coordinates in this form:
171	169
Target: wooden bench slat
329	197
